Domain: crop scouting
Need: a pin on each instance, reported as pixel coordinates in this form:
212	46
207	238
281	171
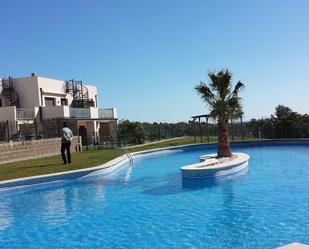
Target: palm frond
221	82
205	93
238	87
224	103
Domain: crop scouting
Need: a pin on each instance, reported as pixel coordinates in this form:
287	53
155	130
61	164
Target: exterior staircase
80	94
9	92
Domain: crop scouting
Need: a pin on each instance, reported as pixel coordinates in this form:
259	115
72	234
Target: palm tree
224	104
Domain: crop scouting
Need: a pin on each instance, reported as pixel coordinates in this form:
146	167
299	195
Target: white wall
49	112
94	112
115	113
51	85
8	113
92	91
54	89
27	89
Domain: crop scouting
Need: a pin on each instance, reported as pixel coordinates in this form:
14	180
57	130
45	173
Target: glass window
49	101
64	102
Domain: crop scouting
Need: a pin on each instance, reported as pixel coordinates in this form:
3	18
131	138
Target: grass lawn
80	160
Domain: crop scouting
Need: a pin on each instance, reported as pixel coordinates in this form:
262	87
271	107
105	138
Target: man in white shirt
66	137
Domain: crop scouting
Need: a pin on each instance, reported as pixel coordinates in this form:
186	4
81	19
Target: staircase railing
79	92
9	92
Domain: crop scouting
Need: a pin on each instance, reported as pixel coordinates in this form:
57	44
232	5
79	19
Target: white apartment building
37	99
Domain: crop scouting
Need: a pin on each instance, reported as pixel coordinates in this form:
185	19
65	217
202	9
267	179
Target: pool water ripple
149	206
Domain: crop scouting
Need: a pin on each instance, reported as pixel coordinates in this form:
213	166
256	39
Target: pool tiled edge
72	174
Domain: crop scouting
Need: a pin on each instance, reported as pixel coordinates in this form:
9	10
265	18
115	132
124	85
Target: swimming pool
149	206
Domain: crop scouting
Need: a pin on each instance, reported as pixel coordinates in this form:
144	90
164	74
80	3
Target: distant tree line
284	123
139	132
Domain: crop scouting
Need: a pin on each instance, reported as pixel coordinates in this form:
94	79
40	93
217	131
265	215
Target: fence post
199	123
194	131
59	134
273	130
232	130
242	129
94	139
36	129
112	143
7	130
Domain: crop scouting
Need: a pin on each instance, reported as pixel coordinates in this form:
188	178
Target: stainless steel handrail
125	150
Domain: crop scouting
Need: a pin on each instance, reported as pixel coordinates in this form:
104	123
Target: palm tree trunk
224	149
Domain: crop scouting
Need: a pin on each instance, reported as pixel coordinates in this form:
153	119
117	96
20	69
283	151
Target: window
64	102
49	101
0	102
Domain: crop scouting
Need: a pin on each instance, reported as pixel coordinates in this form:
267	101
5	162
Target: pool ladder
125	150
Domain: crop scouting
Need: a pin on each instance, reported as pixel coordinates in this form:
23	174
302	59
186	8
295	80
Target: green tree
224	104
132	132
286	121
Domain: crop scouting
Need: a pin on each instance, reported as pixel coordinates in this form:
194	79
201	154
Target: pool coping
46	178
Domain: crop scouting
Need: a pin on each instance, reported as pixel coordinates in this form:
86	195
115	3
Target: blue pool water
148	205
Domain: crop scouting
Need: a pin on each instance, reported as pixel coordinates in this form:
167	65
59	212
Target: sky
146	56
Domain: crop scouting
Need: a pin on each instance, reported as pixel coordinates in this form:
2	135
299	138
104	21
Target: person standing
66	137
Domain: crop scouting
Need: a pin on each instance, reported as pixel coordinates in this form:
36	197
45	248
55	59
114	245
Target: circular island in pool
212	166
150	205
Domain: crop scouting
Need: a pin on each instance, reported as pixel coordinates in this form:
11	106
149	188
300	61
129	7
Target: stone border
111	165
25	150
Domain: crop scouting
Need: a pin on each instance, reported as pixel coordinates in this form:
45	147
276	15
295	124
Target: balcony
50	112
109	113
24	114
11	113
80	113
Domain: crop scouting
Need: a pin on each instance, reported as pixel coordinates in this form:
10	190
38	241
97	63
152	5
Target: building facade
48	102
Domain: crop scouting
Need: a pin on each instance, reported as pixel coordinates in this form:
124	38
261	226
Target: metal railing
24	114
79	113
125	150
107	113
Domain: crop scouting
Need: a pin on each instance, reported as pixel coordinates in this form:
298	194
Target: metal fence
200	133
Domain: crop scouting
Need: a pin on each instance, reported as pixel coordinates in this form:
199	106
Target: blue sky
146	56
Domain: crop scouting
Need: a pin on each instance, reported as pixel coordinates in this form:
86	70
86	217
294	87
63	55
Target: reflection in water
128	175
55	208
172	186
199	183
6	217
174	183
58	204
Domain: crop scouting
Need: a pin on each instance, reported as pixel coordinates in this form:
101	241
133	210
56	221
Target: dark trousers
66	147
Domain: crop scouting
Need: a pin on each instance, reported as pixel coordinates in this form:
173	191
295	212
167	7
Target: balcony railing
24	114
79	113
109	113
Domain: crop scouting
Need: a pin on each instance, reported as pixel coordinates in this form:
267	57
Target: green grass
86	159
